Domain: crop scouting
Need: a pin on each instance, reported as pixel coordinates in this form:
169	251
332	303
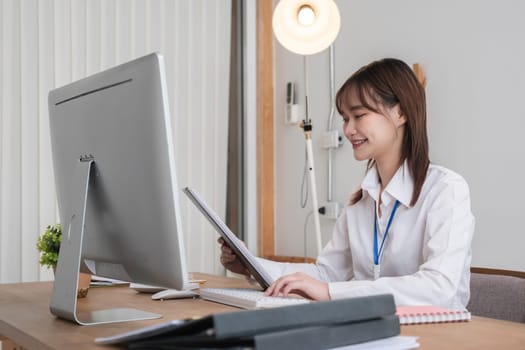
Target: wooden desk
26	320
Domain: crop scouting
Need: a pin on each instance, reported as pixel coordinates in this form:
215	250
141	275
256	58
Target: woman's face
373	135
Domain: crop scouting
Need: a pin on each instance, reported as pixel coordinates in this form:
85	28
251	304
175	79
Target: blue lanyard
377	253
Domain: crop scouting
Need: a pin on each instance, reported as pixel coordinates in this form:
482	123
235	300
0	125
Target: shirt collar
400	187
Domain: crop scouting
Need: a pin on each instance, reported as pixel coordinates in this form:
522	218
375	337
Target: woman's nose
349	128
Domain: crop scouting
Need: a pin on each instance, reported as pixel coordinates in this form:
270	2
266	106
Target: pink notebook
430	314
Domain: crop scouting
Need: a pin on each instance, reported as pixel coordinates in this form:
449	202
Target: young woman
408	230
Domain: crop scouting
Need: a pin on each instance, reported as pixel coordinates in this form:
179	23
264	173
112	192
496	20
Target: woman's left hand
299	283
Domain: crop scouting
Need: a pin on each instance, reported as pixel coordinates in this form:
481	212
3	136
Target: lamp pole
307	128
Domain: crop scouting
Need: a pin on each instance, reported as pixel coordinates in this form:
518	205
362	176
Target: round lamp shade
306	27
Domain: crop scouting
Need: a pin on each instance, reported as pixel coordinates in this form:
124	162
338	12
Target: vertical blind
47	44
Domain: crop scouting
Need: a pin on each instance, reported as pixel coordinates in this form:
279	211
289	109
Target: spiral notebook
430	314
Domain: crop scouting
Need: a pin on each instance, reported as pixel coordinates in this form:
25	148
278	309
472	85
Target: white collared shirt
426	256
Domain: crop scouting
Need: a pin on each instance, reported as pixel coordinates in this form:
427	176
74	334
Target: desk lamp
306	27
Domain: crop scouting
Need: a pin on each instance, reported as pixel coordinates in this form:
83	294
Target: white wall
46	44
472	53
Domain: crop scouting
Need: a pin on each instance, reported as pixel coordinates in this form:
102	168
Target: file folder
304	338
361	319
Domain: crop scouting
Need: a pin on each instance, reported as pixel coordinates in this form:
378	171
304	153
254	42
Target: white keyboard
247	298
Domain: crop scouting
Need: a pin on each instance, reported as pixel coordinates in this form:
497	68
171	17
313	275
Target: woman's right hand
229	259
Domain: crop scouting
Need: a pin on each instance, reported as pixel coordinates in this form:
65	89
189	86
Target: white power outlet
292	114
332	139
332	210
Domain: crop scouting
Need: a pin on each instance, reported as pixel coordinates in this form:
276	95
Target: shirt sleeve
333	264
446	253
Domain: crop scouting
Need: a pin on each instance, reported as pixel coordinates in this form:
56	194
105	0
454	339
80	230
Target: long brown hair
386	83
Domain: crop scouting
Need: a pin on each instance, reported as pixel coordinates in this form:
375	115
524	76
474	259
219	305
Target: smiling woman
470	129
393	113
420	251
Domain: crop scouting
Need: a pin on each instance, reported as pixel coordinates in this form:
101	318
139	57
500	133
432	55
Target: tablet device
247	258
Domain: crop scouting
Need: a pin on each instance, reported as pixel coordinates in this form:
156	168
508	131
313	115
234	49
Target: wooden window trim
265	129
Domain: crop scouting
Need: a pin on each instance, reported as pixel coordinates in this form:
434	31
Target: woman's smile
357	143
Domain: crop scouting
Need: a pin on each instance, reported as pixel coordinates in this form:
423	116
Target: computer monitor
116	183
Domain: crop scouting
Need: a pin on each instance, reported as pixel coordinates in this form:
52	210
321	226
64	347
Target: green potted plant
48	244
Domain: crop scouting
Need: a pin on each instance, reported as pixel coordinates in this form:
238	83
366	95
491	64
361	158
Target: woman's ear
398	117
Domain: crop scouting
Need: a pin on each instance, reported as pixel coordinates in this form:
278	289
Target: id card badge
377	271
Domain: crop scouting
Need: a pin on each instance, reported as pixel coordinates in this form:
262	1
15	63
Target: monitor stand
64	296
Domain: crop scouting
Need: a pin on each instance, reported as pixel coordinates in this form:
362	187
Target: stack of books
312	326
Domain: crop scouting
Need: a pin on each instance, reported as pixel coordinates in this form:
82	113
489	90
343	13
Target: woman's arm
446	255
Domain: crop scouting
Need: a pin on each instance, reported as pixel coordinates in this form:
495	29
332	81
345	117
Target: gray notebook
246	257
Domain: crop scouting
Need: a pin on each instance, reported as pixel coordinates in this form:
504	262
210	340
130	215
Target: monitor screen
115	176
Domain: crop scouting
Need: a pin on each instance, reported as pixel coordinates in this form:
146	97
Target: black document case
304	338
334	323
